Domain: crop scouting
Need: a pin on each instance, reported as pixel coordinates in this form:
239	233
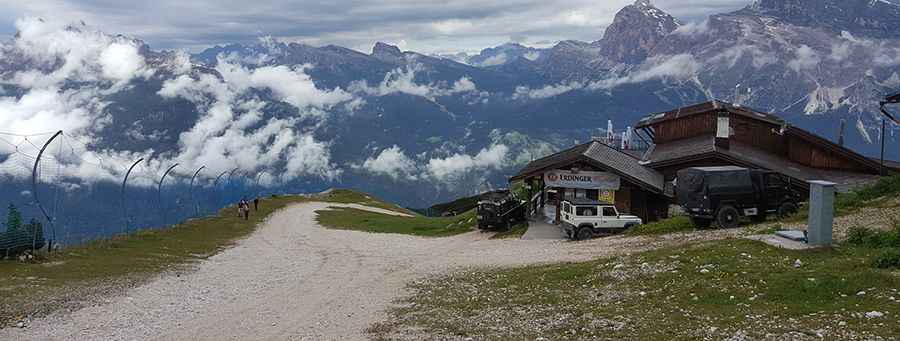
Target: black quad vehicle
499	210
724	194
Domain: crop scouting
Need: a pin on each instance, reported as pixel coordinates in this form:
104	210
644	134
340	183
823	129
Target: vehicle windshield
609	212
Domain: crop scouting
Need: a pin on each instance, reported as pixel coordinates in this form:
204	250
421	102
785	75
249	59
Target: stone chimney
723	129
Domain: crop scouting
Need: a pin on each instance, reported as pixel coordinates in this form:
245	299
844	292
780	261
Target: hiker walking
256	204
246	207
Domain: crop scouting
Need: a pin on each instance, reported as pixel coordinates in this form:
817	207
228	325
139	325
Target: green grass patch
665	226
61	278
515	232
714	290
347	196
361	220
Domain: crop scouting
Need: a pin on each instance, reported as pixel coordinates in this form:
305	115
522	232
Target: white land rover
583	218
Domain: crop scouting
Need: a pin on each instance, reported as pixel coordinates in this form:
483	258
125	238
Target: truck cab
583	218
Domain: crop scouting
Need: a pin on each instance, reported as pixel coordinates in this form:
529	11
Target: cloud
732	56
498	59
450	169
74	53
805	59
392	162
121	62
403	80
456	166
547	91
67	72
681	66
693	29
231	132
427	26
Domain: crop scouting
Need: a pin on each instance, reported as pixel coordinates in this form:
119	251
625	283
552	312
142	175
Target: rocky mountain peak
636	30
870	18
386	50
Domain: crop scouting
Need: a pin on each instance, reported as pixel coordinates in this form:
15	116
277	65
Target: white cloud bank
403	80
66	73
393	162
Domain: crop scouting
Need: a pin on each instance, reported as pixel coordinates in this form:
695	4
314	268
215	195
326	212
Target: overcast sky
422	25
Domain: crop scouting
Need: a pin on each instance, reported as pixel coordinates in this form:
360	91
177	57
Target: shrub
866	237
888	258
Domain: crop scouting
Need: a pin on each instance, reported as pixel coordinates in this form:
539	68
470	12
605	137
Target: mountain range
419	129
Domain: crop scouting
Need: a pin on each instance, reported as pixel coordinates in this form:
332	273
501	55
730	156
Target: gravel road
294	280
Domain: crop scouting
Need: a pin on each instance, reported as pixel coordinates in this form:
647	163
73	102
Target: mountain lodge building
713	133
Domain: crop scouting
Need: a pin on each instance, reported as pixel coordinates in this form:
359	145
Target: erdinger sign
583	180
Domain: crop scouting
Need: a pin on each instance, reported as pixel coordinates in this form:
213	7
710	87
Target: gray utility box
821	213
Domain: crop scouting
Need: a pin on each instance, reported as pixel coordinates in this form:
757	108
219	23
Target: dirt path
294	280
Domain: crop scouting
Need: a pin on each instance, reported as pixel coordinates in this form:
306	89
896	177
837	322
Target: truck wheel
728	217
786	210
700	223
584	233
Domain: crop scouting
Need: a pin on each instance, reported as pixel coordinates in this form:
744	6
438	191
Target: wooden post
558	203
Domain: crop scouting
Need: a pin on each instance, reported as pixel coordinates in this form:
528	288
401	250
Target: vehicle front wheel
700	223
728	217
584	233
786	210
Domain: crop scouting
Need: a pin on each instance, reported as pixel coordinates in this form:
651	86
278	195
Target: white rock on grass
874	314
798	263
861	293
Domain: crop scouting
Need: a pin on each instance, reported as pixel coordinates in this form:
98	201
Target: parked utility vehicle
499	210
724	194
583	218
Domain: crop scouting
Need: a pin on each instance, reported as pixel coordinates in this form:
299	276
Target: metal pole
191	188
159	193
883	126
258	176
230	176
216	186
34	190
124	205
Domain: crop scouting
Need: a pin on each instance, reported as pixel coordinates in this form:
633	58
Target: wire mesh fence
66	193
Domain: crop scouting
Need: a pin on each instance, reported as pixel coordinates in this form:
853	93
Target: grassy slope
354	219
109	265
747	287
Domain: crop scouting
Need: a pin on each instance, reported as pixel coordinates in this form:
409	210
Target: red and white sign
583	180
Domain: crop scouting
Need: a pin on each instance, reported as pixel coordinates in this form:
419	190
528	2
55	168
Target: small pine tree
13	219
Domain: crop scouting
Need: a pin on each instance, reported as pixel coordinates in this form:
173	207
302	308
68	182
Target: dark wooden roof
601	156
716	105
706	107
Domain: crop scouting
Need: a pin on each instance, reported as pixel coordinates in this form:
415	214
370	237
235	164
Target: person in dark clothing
256	204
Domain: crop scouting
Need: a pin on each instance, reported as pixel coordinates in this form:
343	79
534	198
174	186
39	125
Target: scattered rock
798	263
20	324
874	314
618	266
704	271
861	293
